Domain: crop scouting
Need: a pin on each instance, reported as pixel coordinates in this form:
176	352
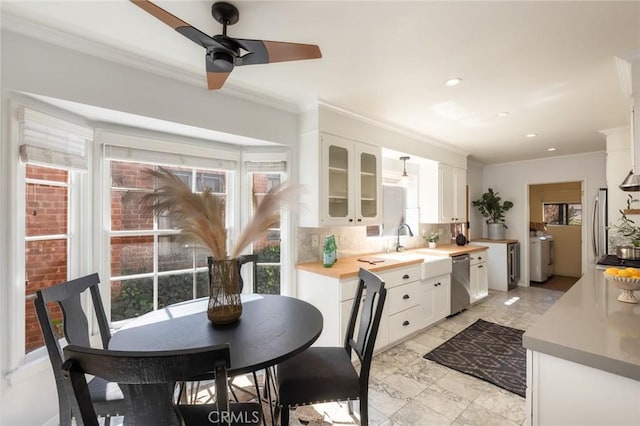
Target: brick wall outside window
46	260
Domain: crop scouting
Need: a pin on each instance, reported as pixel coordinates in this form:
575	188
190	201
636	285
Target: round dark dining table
271	329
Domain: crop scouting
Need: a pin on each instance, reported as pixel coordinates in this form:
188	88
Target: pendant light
404	179
632	181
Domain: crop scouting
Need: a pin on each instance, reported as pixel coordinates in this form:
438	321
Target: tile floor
406	389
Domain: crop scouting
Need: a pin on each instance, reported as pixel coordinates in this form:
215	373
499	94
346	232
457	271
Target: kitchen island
583	358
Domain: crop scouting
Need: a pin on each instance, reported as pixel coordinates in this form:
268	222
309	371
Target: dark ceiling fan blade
177	24
265	51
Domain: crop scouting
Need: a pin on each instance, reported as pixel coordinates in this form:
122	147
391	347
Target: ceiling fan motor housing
222	61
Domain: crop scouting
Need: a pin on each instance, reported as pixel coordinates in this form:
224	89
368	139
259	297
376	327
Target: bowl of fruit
627	280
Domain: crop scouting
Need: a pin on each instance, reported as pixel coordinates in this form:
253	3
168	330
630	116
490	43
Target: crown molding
47	34
393	128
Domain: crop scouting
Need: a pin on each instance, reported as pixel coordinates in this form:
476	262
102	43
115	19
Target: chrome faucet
402	225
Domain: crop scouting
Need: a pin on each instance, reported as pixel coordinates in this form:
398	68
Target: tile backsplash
353	240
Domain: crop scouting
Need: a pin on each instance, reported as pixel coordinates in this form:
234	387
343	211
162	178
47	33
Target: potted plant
431	238
200	217
628	229
493	208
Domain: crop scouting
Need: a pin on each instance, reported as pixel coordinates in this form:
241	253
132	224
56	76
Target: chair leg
350	406
364	410
284	416
65	414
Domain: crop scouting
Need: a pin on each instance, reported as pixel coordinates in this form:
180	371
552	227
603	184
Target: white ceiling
550	65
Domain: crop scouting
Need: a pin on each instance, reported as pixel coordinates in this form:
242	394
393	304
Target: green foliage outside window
135	296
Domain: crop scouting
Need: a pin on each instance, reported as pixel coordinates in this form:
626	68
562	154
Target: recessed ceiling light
502	114
551	149
453	81
531	135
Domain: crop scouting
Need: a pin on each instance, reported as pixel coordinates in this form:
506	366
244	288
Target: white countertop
589	326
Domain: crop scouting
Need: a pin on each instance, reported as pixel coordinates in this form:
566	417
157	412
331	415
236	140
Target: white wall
476	188
37	67
512	181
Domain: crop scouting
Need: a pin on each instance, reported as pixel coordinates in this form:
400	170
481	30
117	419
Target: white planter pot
432	245
495	231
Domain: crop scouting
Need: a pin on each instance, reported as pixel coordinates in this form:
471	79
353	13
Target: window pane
215	181
46	265
552	214
131	255
174	289
173	254
47	173
46	209
268	248
126	211
268	279
202	284
130	176
131	298
575	214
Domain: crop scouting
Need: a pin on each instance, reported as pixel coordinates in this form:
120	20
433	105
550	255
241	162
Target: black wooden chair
249	258
323	374
149	381
107	397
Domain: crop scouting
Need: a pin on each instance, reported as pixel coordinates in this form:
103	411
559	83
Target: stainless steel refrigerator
600	240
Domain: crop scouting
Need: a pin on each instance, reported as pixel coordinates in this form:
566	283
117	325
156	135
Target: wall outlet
315	241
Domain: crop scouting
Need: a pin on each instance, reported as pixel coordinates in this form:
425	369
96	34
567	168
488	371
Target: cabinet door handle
405	297
480	266
350	220
405	323
405	277
359	220
437	284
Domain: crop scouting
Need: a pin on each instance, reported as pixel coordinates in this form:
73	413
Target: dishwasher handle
461	258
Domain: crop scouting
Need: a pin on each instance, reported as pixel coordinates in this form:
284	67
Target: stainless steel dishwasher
460	283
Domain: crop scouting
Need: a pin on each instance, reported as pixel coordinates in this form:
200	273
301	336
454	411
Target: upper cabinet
443	190
342	182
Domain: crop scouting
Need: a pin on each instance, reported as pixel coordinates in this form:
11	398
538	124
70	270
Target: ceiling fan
224	52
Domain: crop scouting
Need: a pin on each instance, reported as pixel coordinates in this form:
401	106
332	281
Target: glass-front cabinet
352	179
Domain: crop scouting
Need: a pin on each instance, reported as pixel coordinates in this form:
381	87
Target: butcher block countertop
450	250
347	267
486	240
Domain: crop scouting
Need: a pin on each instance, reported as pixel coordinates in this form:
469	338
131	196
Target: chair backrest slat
370	316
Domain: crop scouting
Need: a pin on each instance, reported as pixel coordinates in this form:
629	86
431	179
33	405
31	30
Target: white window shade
166	158
51	141
265	166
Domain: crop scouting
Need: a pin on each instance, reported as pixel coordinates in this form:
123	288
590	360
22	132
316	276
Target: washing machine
540	258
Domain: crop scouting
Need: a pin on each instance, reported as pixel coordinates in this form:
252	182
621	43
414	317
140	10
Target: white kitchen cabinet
342	181
443	191
334	298
436	299
562	392
478	276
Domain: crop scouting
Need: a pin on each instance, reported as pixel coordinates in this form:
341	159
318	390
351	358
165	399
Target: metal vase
495	231
225	305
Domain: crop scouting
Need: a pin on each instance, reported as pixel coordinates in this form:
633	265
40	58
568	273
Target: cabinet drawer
348	289
396	277
478	257
404	323
403	297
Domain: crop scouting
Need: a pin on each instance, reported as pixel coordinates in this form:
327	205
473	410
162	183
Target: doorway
556	211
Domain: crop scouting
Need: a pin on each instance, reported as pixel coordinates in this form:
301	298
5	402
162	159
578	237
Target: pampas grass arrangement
200	216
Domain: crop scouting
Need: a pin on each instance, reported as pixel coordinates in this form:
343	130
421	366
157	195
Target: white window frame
287	244
17	364
160	149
